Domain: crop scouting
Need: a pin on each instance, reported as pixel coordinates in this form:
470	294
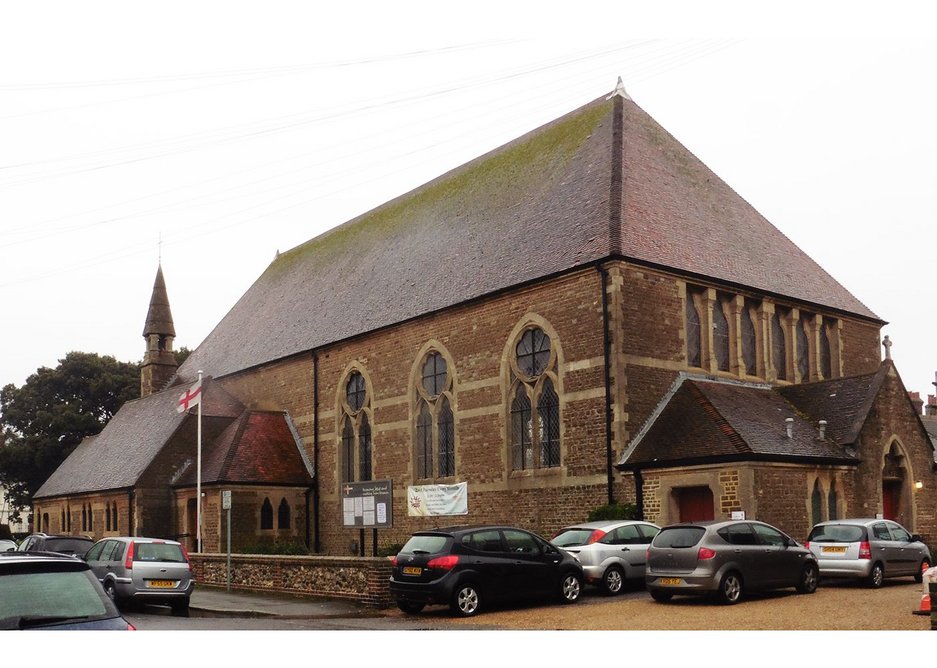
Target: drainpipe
315	455
606	342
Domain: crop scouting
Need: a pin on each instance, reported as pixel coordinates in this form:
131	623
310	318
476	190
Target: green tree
55	409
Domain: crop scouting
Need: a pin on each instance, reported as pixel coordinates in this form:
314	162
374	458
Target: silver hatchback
611	552
727	559
868	549
148	570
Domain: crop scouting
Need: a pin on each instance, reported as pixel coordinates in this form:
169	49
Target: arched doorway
695	504
894	486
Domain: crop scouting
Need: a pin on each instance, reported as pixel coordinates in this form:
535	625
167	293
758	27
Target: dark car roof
462	529
18	562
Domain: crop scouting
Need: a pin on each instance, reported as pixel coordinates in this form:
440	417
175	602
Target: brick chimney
917	401
931	405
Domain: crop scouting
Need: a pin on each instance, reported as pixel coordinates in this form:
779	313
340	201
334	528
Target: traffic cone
929	576
924	609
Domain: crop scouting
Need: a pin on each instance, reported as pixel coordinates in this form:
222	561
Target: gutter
606	347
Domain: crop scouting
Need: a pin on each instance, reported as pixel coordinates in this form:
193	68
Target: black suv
467	567
76	546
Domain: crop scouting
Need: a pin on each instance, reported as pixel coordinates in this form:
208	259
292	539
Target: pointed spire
619	90
159	317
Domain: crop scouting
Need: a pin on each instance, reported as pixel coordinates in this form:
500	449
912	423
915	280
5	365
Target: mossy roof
602	181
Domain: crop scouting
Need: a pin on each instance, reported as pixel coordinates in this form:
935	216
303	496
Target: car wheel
919	576
410	607
730	589
180	609
661	596
613	581
570	588
876	576
466	600
809	579
110	590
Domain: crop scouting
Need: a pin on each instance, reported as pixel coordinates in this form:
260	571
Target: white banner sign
429	500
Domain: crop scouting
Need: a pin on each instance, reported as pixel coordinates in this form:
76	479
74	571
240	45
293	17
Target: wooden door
696	504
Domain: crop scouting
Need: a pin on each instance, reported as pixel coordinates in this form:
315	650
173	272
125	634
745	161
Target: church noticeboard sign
367	505
432	500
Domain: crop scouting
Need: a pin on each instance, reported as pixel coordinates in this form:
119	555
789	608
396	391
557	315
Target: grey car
868	549
147	570
7	545
727	559
611	552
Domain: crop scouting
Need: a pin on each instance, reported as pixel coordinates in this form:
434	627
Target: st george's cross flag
190	398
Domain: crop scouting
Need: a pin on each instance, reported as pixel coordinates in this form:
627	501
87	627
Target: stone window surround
512	376
420	397
345	411
761	312
826	481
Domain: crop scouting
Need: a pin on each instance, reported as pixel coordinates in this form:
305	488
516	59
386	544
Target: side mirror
916	538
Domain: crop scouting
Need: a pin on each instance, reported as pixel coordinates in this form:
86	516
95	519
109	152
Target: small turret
159	362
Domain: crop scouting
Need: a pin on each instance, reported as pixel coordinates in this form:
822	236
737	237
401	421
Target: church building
586	315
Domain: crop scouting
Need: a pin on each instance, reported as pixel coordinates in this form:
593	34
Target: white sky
233	130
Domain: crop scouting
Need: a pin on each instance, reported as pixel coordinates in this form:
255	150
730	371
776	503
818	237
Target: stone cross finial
619	90
887	344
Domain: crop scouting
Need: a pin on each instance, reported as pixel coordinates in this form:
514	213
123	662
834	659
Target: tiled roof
259	448
119	455
602	181
717	420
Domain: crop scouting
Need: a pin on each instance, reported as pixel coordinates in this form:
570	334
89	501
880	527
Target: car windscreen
837	533
570	537
31	599
425	544
67	545
678	537
158	552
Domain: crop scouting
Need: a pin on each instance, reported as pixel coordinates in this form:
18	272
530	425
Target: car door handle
625	549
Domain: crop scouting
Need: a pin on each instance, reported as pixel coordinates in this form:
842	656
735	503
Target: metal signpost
365	505
226	505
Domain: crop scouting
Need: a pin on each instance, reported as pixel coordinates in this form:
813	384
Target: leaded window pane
533	352
803	358
434	374
348	451
521	447
748	343
833	513
720	336
424	442
355	391
693	349
826	358
548	410
778	347
283	515
816	502
266	514
446	432
364	448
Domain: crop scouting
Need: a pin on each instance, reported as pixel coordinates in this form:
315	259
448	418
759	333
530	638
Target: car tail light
705	553
806	544
393	560
131	627
865	550
446	563
595	536
128	560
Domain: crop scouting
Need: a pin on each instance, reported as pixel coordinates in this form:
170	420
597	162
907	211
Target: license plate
670	581
160	584
833	550
412	570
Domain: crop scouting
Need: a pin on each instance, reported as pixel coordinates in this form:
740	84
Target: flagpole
198	484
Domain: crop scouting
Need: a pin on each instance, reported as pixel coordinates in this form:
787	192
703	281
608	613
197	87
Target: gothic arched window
535	405
826	357
266	514
816	503
803	350
778	346
693	346
356	446
435	424
720	336
749	356
833	502
283	515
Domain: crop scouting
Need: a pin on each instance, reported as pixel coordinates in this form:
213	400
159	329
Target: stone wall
361	579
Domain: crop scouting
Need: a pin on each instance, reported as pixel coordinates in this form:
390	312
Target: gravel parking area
835	606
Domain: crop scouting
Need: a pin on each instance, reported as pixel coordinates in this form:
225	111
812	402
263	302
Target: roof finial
619	90
887	344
